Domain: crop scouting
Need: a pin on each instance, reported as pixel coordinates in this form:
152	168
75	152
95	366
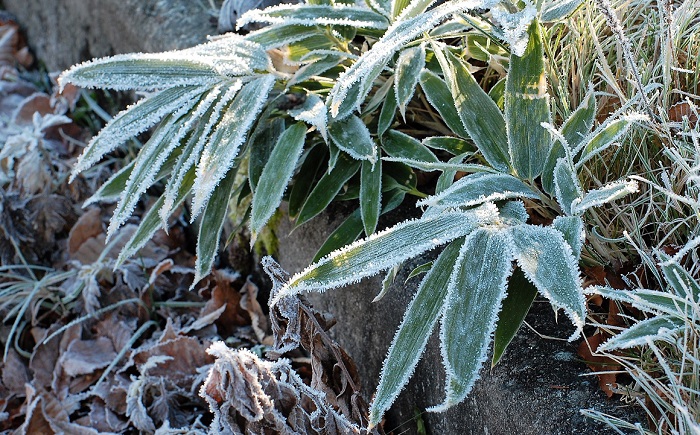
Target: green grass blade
211	225
526	107
477	288
651	301
549	263
479	188
352	136
370	195
276	175
386	249
327	188
311	167
415	330
406	73
401	145
388	112
521	294
479	114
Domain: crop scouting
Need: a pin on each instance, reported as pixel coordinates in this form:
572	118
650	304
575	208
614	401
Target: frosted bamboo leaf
387	248
231	55
603	137
415	330
276	175
313	111
549	263
112	189
370	194
680	280
211	225
400	33
657	328
147	164
401	145
352	136
476	290
316	15
566	185
194	147
407	70
605	194
440	166
571	227
480	116
513	213
652	301
133	120
527	107
558	9
279	35
479	188
222	149
515	26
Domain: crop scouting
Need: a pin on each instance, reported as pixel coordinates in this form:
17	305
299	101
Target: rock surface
537	388
65	32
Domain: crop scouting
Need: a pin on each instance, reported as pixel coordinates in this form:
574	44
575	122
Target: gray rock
65	32
537	388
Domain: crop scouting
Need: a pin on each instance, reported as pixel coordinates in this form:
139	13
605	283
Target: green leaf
549	263
498	93
479	114
479	188
316	15
423	268
477	287
574	130
516	305
680	280
639	334
134	120
452	145
415	330
281	34
406	73
439	96
225	141
602	139
402	174
152	221
327	188
316	68
261	144
388	112
386	249
303	183
397	144
276	175
370	195
609	192
352	136
566	185
526	107
211	225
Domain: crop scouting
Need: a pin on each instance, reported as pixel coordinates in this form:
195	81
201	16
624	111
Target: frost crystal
514	26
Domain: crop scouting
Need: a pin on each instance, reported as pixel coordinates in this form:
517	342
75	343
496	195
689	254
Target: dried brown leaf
88	226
